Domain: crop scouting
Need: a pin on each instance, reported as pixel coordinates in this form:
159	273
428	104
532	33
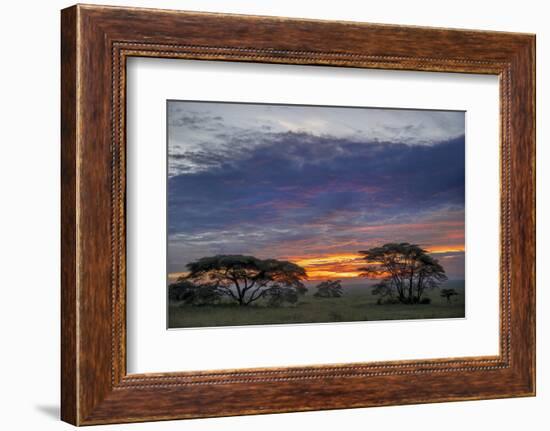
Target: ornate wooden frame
96	41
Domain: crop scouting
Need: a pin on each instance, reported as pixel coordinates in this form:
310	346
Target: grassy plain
357	304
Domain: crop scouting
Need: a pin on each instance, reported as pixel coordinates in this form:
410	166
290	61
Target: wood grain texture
69	397
96	41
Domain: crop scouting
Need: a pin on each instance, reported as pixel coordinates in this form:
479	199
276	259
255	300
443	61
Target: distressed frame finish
96	41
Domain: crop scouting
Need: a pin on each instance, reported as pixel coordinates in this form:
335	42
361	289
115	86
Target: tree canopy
405	271
246	279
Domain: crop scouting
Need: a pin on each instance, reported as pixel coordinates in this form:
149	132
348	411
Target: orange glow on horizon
347	265
438	249
338	266
344	265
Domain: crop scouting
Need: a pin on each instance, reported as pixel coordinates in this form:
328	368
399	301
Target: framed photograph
263	214
267	203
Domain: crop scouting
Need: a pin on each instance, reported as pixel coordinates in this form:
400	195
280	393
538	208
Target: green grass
357	304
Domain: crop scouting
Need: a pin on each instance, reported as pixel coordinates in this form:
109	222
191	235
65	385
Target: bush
193	294
276	296
389	300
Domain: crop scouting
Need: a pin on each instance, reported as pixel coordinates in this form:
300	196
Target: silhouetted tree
246	279
329	289
448	294
405	271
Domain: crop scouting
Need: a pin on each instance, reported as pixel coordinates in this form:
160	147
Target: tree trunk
240	292
419	287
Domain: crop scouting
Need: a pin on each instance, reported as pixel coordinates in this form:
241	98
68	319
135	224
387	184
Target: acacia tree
246	279
448	294
405	271
329	289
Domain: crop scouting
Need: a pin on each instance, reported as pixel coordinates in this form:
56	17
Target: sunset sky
313	185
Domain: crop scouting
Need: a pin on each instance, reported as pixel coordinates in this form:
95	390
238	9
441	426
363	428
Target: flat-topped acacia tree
405	271
246	279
